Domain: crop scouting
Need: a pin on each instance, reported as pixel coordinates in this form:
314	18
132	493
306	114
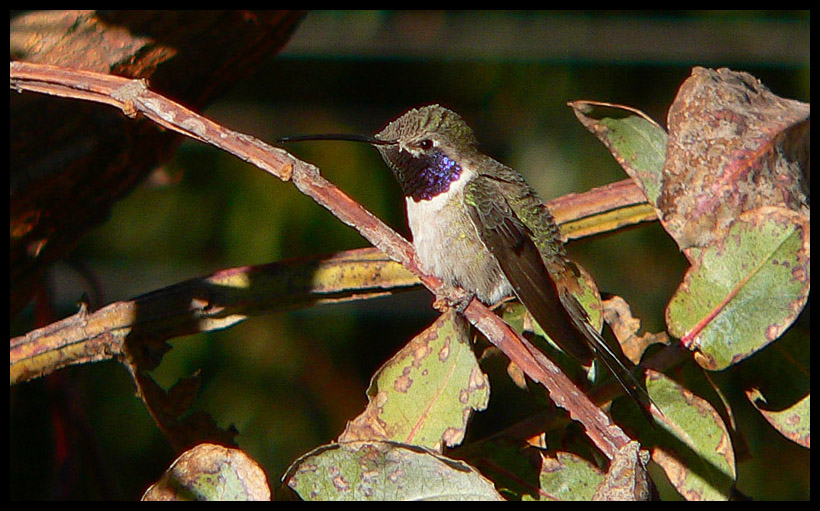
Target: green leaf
425	394
793	422
692	446
384	471
567	476
783	401
743	289
636	141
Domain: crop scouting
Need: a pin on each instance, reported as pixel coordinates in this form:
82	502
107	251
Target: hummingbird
477	225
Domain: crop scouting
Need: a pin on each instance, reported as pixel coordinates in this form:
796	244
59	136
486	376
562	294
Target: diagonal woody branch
134	98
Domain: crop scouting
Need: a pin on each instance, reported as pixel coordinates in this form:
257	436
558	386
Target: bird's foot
452	298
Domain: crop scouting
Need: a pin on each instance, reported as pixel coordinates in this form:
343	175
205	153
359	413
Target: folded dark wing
555	309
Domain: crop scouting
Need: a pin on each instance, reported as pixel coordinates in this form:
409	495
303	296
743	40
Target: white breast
448	246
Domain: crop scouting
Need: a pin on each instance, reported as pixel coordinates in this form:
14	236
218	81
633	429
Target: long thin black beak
349	137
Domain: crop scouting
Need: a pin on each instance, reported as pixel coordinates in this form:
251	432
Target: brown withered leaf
733	146
627	478
171	411
625	326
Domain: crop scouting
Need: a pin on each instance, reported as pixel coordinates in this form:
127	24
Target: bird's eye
426	144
